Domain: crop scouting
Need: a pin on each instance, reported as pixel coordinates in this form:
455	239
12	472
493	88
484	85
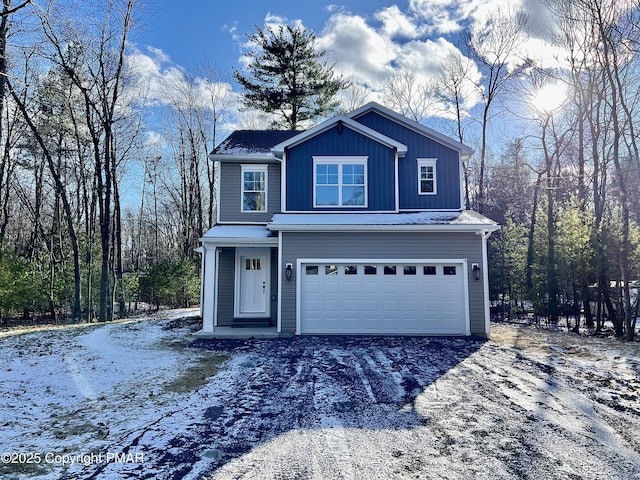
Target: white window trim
428	162
342	160
254	168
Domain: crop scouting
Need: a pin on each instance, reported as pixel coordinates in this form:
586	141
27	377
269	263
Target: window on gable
340	182
427	176
254	188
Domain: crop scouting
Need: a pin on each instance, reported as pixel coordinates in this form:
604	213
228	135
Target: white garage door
383	298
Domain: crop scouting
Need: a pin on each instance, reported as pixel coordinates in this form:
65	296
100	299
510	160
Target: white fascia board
240	241
348	122
465	151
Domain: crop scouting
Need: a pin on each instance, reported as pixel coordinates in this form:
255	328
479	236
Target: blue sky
367	41
193	30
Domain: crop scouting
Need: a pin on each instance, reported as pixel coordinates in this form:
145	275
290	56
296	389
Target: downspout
279	305
283	182
397	182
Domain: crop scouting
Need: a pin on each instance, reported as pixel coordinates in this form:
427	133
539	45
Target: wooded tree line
567	193
561	177
74	132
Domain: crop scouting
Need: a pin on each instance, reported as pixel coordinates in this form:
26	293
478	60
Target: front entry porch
240	280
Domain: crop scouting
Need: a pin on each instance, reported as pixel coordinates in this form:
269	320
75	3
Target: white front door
252	286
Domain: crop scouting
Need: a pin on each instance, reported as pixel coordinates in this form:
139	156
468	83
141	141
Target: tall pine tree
287	76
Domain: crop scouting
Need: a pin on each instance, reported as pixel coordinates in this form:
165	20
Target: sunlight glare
550	97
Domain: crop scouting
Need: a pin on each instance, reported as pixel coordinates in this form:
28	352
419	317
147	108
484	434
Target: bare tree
353	97
493	45
453	88
220	100
91	52
6	117
408	94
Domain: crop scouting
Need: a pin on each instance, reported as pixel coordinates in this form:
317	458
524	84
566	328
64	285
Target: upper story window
254	188
339	181
427	184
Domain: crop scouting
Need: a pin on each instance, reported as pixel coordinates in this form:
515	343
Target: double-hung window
339	181
254	188
427	176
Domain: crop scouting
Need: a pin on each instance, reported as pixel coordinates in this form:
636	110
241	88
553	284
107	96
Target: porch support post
208	295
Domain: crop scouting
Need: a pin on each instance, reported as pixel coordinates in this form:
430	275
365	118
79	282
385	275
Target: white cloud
158	82
397	24
359	51
369	54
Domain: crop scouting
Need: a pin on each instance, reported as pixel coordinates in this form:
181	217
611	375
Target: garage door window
449	270
429	270
331	270
311	270
389	269
350	270
370	270
409	270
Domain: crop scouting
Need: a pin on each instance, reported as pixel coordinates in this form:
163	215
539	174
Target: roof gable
279	149
464	150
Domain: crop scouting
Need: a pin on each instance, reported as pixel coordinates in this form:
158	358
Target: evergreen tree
288	77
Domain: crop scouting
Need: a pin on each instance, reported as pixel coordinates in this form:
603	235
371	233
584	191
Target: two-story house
354	226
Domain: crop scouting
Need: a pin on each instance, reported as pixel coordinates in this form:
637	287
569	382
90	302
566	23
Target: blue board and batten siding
341	142
418	146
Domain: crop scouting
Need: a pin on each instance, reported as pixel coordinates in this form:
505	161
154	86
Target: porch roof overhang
240	235
434	221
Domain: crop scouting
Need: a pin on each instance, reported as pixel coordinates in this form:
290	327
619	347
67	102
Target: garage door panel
382	298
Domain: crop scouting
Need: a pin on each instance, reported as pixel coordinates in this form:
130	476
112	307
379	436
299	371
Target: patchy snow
445	218
142	399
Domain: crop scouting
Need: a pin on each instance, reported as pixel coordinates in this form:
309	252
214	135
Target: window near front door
427	176
340	182
254	188
253	264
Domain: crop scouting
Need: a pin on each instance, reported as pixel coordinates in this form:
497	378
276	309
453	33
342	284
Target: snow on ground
142	399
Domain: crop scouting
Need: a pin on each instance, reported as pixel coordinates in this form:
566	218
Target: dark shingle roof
252	142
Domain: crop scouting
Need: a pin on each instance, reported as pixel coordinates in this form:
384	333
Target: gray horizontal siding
231	195
384	245
226	286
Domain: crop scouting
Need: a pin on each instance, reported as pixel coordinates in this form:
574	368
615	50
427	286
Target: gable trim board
281	148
